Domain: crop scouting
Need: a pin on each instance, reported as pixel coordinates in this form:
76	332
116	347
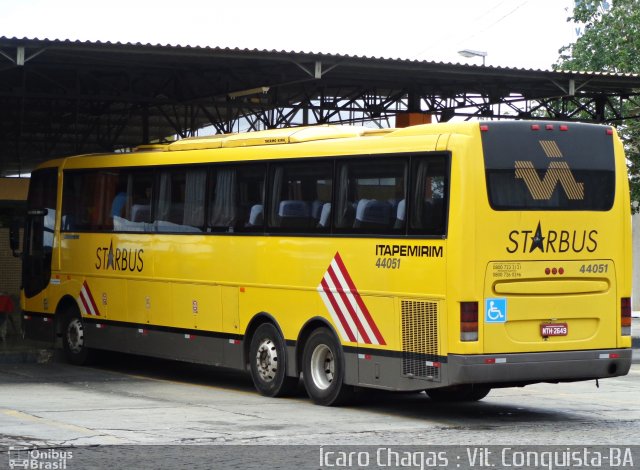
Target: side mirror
14	237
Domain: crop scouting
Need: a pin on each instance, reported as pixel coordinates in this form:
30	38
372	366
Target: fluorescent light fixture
250	91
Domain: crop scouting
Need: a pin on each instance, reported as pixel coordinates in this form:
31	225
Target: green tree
610	42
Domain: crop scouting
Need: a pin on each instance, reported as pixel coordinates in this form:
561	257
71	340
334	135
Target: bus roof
290	135
148	154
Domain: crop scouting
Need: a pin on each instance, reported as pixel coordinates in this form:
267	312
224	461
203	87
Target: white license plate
554	329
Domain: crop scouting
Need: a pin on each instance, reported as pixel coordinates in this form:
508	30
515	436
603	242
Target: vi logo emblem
557	172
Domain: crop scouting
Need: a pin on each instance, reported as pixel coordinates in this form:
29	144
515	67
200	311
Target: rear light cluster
625	316
549	127
554	271
468	321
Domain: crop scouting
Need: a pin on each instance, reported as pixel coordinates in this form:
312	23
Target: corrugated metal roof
250	51
73	96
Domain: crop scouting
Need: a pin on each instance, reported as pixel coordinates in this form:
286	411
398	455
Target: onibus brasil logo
51	459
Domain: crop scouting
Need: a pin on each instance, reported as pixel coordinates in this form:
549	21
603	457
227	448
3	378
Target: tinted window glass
548	169
181	200
237	198
131	206
43	193
107	200
301	192
87	200
369	193
39	233
429	189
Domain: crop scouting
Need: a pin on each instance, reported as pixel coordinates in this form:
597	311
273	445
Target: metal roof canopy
69	97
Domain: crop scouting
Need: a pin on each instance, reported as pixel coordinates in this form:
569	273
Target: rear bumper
560	366
391	371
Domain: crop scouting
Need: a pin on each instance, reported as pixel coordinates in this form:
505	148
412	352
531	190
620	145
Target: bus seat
293	209
324	215
256	215
372	213
120	224
316	209
401	213
140	212
293	213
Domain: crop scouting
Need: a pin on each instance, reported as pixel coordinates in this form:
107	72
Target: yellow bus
450	258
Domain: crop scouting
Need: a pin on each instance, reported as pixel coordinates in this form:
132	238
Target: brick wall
10	267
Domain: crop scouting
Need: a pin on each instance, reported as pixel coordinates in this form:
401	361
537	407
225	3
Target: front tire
268	362
73	340
459	393
324	371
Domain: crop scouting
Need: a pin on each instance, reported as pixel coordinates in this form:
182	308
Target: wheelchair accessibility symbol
495	310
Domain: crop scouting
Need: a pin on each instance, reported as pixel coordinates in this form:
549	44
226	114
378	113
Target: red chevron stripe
361	304
337	311
345	300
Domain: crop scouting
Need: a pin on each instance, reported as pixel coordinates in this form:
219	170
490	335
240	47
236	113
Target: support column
412	119
414	115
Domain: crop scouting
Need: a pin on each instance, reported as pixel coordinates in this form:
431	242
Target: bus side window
369	193
223	214
427	208
237	198
250	193
86	202
181	200
69	202
298	193
130	191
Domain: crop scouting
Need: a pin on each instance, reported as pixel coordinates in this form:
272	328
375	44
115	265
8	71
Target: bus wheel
267	357
323	369
459	393
73	342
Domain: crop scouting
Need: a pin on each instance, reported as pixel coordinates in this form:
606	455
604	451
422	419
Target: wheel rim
267	360
75	335
322	366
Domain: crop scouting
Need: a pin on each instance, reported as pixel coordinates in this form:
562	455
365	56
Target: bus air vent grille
420	339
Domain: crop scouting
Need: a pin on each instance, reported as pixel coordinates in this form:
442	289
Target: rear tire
73	340
459	393
268	362
324	371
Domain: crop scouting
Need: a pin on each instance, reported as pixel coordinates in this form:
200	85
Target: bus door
39	231
551	237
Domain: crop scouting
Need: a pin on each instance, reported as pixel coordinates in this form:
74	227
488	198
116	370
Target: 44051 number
596	268
388	263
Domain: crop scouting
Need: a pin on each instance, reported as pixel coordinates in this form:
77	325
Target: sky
513	33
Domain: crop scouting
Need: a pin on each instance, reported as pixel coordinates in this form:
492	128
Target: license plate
554	329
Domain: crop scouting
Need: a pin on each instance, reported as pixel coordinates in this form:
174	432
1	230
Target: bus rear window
540	167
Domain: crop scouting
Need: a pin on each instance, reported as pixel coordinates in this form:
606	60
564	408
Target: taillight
468	321
625	316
